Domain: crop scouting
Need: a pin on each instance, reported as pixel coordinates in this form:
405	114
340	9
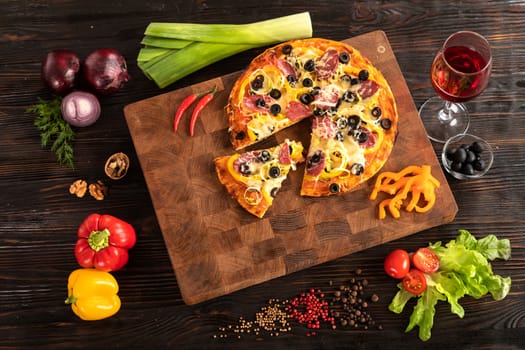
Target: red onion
80	108
105	70
60	69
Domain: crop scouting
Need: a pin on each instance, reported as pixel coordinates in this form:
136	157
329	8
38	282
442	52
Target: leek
149	53
165	43
174	50
262	33
182	62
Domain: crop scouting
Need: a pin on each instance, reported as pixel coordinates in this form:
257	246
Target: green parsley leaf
54	130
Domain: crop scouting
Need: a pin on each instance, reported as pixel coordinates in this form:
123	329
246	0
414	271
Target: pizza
348	101
253	178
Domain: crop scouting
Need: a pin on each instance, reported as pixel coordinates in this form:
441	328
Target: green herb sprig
54	130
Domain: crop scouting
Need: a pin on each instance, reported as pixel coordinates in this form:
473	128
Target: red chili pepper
182	108
103	242
199	107
185	104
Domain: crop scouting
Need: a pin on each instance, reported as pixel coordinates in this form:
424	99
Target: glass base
440	123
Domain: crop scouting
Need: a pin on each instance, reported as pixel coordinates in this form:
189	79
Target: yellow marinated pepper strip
416	196
395	204
416	180
382	210
391	187
390	181
411	169
427	188
93	294
430	196
419	188
430	203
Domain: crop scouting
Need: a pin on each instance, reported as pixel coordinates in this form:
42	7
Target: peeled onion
80	108
60	69
105	70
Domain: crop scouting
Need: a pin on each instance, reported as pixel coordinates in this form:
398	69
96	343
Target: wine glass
460	72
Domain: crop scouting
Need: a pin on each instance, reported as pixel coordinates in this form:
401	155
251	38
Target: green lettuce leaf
490	246
452	287
400	299
470	263
424	311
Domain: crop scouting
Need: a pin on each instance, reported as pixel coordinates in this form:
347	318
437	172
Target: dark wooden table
39	218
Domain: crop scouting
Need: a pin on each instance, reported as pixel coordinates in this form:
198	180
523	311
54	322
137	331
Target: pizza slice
264	99
354	125
343	154
253	178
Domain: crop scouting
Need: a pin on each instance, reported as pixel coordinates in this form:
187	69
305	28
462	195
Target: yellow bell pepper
93	294
416	180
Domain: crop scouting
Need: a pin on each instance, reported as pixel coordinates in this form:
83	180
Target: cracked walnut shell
78	188
117	166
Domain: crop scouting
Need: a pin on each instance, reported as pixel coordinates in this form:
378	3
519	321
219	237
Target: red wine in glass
458	75
460	72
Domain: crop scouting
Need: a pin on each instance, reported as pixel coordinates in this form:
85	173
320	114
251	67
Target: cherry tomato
414	282
397	263
425	260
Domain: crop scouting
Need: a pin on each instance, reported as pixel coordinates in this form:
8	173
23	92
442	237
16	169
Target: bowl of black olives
466	156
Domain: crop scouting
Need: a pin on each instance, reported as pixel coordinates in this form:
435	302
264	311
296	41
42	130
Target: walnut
78	188
117	166
98	190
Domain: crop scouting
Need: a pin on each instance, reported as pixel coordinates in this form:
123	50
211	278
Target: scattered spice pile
349	304
271	318
310	309
344	306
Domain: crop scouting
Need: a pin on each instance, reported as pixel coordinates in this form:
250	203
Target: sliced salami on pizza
253	178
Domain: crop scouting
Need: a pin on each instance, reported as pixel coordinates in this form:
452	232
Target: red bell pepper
103	242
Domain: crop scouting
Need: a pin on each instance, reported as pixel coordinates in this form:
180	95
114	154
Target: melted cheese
339	156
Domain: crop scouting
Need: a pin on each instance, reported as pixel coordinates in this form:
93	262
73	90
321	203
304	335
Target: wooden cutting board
215	246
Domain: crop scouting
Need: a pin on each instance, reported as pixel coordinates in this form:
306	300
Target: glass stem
445	113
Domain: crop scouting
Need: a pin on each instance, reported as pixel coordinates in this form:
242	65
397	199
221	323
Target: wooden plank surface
214	245
39	218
